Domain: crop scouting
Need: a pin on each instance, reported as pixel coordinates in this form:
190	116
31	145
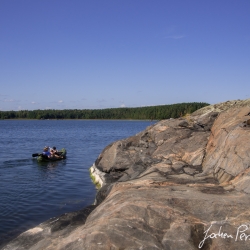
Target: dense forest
141	113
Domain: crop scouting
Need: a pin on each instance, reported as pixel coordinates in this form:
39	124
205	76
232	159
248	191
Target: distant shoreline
28	119
160	112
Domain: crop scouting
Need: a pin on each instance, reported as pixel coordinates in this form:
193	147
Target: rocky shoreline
179	184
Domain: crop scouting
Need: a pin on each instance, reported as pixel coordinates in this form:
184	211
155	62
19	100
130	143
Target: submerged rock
180	184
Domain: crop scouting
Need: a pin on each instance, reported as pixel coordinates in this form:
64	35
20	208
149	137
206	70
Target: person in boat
48	154
53	151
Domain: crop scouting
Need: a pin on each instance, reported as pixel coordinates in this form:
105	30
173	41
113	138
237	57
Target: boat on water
43	158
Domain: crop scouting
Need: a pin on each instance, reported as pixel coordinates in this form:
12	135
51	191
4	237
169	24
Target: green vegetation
142	113
97	184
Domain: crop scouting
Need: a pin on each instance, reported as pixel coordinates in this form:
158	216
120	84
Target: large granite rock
228	150
180	184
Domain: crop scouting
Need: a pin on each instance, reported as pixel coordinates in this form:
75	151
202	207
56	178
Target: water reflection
48	165
50	169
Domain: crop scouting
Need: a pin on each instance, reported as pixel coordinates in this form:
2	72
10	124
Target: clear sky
90	54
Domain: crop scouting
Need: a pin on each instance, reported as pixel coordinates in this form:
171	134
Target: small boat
43	158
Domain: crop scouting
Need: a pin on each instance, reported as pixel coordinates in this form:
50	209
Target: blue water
31	193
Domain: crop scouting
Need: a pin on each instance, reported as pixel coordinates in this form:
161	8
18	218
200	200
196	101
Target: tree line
159	112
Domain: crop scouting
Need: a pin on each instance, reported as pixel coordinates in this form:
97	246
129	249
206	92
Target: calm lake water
31	193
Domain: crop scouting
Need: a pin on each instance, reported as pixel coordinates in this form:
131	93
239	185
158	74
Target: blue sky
82	54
